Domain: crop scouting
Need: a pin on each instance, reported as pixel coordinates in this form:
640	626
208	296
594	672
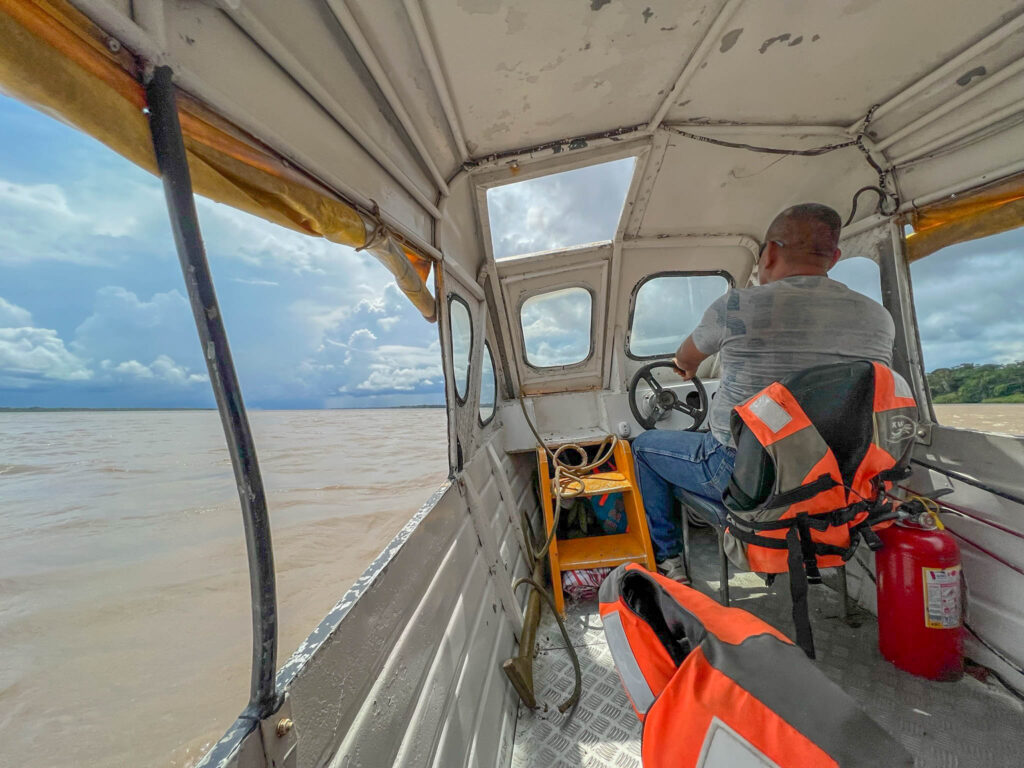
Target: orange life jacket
814	454
716	687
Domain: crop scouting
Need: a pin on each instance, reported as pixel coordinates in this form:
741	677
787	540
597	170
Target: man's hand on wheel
680	371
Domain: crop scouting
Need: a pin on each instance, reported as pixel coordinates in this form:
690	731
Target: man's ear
835	258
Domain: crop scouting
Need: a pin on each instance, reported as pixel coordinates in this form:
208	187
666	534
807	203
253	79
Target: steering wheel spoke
652	382
664	400
682	407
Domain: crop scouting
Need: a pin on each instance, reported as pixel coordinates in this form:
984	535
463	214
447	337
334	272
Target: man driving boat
795	318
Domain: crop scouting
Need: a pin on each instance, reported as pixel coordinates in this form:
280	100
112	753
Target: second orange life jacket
716	687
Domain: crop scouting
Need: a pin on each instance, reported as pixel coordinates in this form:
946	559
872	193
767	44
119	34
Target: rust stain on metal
772	40
966	77
729	40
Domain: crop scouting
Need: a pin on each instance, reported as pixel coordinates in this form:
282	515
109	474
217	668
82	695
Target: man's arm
709	334
688	357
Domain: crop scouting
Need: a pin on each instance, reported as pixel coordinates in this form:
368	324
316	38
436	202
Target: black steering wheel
666	400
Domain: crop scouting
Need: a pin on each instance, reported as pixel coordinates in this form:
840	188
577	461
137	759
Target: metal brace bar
173	164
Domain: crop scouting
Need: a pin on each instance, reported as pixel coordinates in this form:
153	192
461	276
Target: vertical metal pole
173	165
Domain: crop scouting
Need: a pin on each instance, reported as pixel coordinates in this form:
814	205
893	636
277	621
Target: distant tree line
970	383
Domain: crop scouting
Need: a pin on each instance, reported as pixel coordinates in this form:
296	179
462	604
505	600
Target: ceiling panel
523	73
810	62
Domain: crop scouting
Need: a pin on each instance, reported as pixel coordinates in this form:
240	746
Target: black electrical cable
813	152
882	196
857	141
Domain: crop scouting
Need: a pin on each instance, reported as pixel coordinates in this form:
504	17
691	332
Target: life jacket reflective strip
806	522
738	694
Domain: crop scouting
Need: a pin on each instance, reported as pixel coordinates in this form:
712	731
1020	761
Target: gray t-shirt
764	333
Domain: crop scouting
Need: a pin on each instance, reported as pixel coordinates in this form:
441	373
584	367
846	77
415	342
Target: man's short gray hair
823	222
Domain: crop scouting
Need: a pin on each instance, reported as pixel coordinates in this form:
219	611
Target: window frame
453	297
522	330
730	284
494	374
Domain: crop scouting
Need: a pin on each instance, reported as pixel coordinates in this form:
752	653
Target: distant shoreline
34	409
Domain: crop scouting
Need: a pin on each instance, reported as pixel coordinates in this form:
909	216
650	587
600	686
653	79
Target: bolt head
113	44
283	726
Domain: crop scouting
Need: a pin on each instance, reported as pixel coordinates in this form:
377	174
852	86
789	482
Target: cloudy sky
93	312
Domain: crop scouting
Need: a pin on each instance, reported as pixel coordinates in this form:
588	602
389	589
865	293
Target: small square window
556	327
666	308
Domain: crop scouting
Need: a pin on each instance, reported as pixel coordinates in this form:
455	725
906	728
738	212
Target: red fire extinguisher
920	601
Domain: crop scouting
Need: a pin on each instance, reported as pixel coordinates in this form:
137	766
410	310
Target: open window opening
861	274
560	210
969	301
488	380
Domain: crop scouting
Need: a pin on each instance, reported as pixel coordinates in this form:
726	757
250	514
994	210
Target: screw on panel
113	44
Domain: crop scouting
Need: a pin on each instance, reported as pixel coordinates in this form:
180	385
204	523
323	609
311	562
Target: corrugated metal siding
412	675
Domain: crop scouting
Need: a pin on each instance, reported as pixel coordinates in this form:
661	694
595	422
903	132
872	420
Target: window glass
861	274
969	300
462	342
487	381
667	308
559	210
556	327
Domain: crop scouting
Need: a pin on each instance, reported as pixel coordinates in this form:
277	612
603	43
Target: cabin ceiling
386	100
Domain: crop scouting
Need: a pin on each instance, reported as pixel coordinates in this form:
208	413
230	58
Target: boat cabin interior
449	138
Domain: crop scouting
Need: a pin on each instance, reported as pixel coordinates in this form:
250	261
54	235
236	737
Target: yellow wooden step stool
633	546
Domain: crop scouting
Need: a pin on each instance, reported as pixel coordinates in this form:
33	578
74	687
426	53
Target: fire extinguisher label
941	597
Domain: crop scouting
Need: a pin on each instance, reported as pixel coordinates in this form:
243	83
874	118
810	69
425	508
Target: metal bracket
280	737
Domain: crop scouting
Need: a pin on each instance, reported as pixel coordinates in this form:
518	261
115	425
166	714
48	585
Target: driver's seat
858	419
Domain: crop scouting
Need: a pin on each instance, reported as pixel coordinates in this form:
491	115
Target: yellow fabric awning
998	207
55	59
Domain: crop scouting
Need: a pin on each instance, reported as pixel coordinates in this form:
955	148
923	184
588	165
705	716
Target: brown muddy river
125	630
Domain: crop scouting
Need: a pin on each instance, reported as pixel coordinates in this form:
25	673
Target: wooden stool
633	546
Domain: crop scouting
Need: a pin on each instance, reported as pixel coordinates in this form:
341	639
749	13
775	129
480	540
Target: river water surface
125	630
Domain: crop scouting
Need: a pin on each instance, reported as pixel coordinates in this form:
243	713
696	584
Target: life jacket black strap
798	593
800	493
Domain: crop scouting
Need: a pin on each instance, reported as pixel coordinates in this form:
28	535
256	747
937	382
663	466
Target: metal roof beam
294	68
341	12
429	53
694	62
946	107
985	43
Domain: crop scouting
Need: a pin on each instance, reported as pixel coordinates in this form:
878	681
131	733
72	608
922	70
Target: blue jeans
694	461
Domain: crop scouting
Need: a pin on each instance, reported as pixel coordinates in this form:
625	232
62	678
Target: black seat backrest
838	399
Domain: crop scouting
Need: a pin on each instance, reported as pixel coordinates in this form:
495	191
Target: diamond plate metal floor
968	724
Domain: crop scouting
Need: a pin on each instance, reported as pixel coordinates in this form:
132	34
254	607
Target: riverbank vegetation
970	383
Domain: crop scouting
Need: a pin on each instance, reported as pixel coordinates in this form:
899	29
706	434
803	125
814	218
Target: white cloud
97	223
13	316
126	327
253	281
31	353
